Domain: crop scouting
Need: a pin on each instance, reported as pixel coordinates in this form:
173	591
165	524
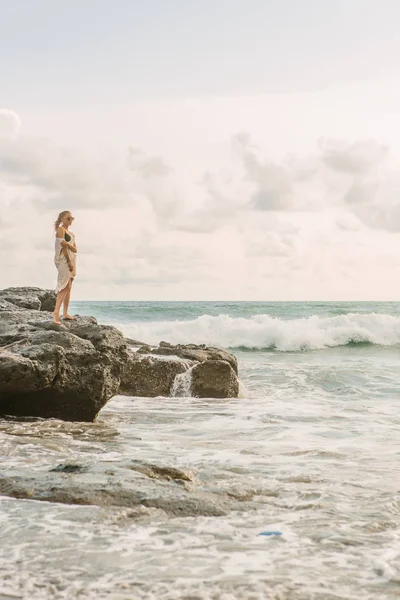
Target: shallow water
312	451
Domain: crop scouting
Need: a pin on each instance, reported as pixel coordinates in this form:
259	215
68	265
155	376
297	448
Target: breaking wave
263	332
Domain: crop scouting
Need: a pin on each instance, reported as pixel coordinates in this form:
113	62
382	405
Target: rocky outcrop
64	371
198	370
70	371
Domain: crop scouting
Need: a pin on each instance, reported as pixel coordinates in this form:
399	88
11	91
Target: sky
209	150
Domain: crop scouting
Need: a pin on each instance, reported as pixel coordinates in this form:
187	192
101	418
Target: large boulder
29	298
64	371
214	379
150	376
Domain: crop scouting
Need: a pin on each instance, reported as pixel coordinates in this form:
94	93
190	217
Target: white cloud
10	124
263	225
62	176
148	166
355	158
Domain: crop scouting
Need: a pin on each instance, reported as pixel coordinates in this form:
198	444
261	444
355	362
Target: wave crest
266	332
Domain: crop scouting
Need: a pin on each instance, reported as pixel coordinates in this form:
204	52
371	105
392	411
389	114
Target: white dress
60	260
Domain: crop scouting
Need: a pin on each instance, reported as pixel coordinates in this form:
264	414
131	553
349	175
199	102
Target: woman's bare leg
60	298
66	302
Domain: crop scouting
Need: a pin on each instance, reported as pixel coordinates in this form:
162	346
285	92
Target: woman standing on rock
65	261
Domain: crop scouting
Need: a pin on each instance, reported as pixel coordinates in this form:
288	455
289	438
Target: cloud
269	243
10	124
355	175
58	176
52	176
356	158
272	181
260	220
148	166
339	174
152	178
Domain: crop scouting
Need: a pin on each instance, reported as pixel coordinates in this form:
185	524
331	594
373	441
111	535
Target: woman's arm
68	245
64	246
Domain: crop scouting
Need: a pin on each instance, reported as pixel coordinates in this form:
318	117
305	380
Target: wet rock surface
154	486
64	371
70	371
145	375
151	371
214	379
196	352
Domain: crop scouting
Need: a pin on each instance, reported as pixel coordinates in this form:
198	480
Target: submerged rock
133	491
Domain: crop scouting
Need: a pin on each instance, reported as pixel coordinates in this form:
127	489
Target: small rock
159	472
144	349
69	468
132	342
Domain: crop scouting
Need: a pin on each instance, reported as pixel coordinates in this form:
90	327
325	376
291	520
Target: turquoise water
254	326
125	312
311	450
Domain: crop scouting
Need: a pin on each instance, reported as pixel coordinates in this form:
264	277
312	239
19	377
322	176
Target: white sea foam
182	386
264	331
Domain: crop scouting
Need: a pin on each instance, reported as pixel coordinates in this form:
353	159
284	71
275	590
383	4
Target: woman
65	261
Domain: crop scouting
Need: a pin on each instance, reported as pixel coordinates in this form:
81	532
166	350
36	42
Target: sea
303	469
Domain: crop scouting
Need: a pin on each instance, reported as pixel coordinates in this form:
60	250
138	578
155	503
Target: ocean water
311	450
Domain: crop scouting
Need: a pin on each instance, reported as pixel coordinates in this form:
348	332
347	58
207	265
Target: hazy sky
209	149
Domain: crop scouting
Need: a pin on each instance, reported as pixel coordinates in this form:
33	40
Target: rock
64	371
214	379
5	305
149	376
30	298
144	349
173	490
69	468
148	372
197	353
70	371
135	343
160	472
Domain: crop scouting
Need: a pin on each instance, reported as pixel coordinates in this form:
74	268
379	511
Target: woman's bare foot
69	318
56	319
